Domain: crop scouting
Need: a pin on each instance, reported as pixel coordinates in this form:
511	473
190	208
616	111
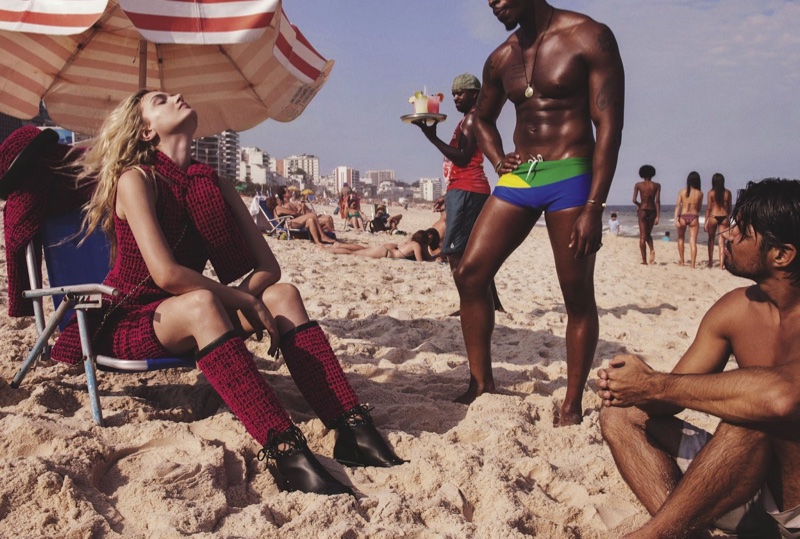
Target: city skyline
710	85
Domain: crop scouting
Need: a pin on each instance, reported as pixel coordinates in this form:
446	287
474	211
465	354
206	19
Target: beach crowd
166	216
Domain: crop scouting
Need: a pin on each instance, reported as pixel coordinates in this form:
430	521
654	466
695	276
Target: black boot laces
358	415
287	443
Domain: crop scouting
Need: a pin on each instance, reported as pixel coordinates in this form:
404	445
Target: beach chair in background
75	273
277	225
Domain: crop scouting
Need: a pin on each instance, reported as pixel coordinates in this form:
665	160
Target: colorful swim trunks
547	185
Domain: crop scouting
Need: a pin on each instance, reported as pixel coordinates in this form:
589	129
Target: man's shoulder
731	303
504	49
579	23
587	34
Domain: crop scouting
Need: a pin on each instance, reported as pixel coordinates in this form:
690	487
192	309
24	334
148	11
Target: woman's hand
261	319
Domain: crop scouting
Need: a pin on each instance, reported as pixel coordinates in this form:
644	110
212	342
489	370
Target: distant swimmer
718	213
647	197
687	213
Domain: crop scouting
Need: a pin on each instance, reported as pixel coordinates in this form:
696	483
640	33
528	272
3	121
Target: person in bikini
718	211
690	200
354	217
302	217
647	197
467	186
563	73
686	478
416	248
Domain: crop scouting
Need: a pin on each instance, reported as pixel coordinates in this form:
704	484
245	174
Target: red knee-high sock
231	370
317	372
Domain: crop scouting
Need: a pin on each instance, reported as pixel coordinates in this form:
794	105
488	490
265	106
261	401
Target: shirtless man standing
563	73
685	478
649	211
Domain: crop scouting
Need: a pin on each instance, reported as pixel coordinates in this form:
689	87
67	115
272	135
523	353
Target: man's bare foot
644	263
473	393
568	416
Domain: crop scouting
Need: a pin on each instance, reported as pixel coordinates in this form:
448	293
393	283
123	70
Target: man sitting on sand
647	197
716	481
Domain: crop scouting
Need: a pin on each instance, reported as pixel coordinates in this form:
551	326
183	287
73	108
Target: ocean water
629	223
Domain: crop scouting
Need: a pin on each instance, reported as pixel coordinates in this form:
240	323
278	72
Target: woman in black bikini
414	249
690	200
718	213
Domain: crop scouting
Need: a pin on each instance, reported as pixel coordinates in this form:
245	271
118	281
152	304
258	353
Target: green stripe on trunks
546	172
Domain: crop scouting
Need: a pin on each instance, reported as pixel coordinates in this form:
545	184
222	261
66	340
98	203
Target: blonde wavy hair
118	147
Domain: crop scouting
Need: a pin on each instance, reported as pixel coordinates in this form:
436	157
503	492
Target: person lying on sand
417	248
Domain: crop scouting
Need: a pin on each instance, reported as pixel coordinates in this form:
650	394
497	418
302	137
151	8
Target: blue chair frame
75	273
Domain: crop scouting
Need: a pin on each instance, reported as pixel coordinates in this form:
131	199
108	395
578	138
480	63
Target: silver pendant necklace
528	88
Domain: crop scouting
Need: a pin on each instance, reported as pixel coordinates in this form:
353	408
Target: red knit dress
127	331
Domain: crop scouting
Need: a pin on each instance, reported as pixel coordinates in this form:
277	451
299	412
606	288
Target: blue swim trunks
547	185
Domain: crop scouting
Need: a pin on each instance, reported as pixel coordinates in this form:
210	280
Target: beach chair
75	273
277	225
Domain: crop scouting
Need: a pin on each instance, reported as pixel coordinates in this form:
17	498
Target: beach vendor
745	479
165	216
563	73
467	186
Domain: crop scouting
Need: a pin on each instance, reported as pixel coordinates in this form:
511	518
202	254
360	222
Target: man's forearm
753	394
604	161
489	140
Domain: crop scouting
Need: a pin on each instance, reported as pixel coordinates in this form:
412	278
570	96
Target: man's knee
579	299
617	424
468	279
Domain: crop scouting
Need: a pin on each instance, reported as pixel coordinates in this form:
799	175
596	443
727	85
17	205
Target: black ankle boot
358	442
298	467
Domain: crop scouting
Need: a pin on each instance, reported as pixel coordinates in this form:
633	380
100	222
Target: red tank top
469	178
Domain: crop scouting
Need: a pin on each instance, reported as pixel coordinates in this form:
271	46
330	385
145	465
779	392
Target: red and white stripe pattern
53	17
200	22
233	86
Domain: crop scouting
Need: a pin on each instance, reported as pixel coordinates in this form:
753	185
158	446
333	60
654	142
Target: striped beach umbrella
237	62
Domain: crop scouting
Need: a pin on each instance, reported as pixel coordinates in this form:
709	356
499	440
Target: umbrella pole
142	63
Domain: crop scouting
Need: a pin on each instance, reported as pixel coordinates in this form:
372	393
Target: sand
173	461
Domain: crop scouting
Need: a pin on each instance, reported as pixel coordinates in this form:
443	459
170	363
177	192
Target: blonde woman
165	216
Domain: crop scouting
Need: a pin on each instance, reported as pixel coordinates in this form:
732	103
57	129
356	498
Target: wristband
595	203
497	166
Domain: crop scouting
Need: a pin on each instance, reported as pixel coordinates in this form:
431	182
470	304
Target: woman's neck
179	149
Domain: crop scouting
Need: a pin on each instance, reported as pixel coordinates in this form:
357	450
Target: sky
711	85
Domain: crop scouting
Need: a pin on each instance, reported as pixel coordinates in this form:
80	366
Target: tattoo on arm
608	93
606	41
479	104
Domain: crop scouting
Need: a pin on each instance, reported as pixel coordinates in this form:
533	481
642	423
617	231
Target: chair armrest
77	290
